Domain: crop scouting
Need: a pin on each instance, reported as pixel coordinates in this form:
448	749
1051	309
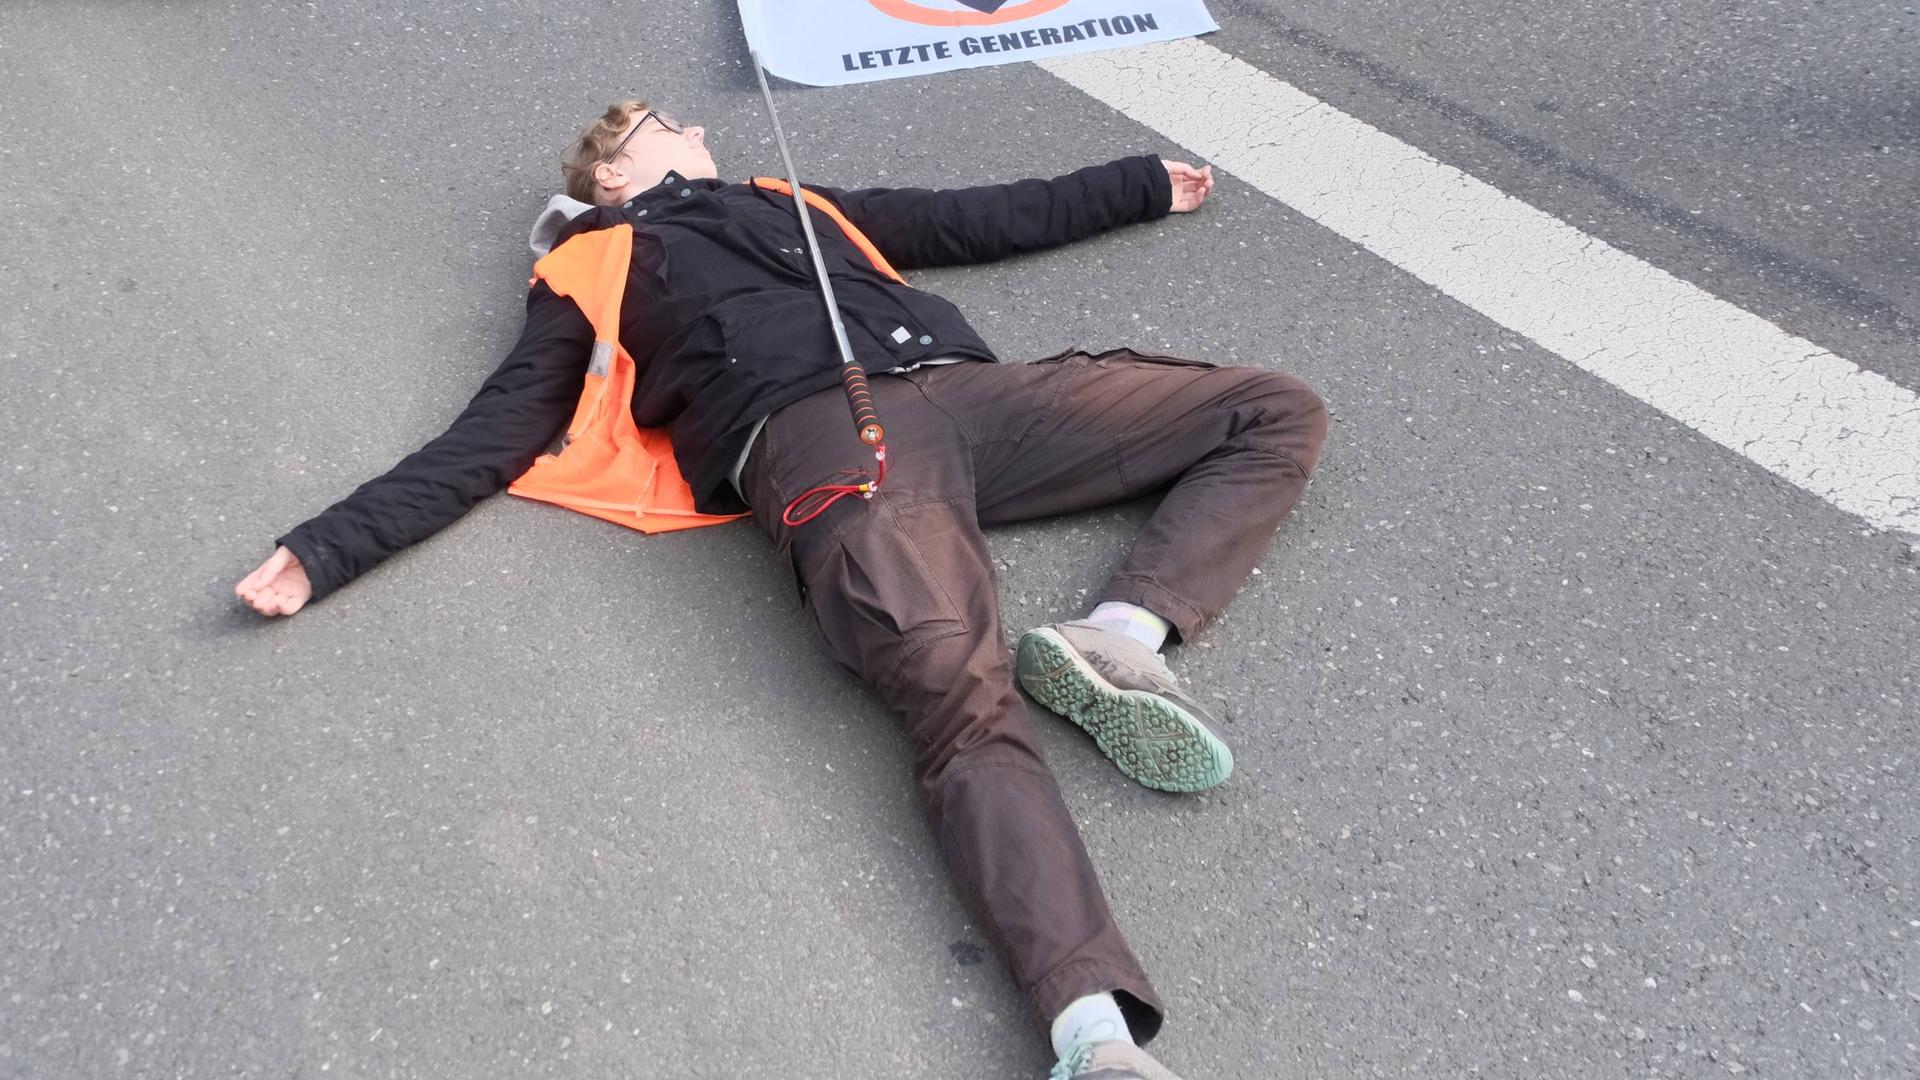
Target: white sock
1136	622
1084	1019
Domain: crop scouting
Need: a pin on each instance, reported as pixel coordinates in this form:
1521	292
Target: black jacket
725	324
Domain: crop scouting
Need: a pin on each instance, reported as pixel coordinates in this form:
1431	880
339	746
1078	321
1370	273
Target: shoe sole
1151	739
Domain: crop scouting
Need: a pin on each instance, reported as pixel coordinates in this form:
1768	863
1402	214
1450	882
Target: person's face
656	145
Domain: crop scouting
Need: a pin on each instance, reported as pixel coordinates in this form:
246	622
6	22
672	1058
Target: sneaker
1114	1060
1122	693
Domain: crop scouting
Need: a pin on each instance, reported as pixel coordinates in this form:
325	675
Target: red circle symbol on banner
927	16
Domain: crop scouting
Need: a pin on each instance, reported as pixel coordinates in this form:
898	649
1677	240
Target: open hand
278	587
1191	186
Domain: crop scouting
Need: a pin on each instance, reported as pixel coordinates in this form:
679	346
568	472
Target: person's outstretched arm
916	227
515	415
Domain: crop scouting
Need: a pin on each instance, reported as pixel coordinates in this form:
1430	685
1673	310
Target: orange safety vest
607	465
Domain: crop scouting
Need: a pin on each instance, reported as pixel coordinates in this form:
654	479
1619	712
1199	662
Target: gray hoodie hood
553	217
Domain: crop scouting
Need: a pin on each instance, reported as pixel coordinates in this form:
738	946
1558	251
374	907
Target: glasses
666	121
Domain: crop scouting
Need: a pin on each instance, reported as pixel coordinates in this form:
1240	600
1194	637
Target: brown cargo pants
903	590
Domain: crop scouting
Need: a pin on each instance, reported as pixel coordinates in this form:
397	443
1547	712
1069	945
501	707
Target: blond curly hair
593	146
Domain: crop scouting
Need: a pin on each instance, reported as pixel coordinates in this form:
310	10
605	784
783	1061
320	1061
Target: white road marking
1848	435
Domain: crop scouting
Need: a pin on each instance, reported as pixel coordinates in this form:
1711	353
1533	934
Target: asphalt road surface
1569	743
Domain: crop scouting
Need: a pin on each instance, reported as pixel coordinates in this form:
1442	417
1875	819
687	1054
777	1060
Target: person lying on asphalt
735	360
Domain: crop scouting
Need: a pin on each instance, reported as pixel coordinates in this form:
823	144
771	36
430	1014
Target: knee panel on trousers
1291	418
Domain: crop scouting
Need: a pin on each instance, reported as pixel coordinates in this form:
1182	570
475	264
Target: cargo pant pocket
879	583
1113	356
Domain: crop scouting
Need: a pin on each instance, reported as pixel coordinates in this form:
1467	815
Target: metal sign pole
853	376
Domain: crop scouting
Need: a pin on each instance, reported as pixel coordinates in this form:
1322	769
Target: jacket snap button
684	192
643	213
926	339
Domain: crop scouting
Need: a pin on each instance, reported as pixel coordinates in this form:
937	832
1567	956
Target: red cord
826	495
